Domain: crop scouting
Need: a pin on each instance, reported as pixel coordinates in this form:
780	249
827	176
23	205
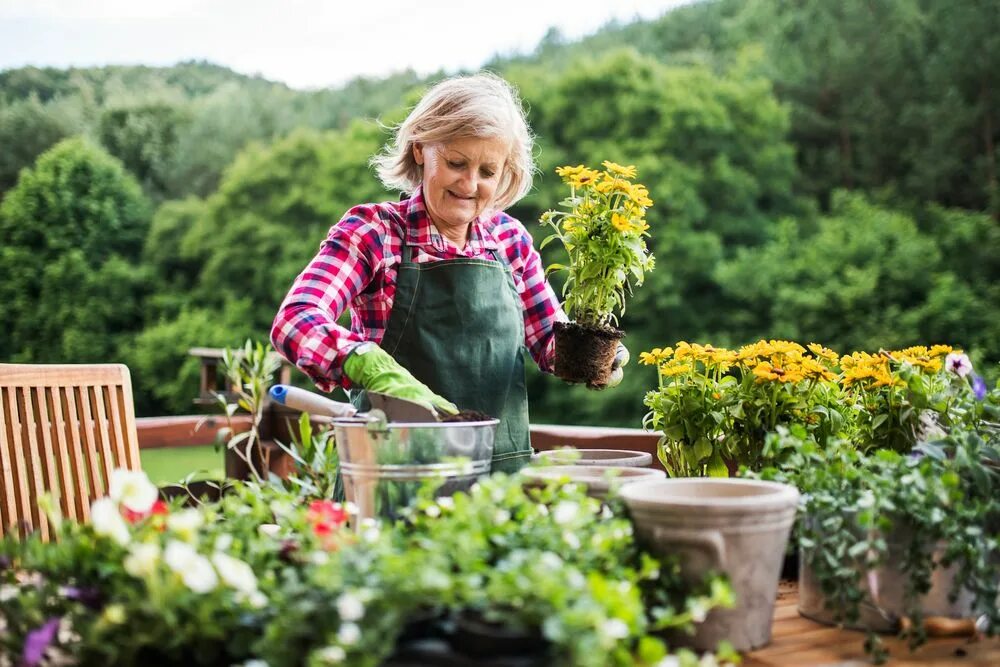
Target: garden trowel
395	409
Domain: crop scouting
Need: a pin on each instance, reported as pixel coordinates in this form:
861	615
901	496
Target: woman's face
460	178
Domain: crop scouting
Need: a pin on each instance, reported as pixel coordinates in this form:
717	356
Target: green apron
458	326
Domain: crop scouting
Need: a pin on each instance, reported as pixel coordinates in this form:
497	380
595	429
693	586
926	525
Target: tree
73	229
27	129
144	138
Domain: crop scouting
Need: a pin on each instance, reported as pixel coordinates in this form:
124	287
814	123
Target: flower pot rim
588	474
594	457
669	493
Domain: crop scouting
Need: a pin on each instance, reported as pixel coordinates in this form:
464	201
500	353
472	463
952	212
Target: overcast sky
304	43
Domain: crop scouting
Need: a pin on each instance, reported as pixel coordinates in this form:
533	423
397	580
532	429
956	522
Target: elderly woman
445	289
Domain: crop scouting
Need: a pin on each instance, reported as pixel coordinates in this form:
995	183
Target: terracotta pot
584	354
598	480
602	458
736	526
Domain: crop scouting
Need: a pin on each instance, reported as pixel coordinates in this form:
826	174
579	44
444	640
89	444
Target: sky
304	43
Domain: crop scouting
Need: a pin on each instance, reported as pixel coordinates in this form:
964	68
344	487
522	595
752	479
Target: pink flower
958	363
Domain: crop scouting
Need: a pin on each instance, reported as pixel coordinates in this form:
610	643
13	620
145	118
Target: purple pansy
38	641
979	387
88	596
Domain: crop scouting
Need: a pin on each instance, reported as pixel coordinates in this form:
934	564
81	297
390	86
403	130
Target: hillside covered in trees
821	171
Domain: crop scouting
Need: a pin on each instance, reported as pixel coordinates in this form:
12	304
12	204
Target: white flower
433	511
256	599
565	512
331	655
349	634
575	579
571	540
142	559
699	610
606	513
371	535
551	560
269	529
502	516
8	592
447	502
350	607
107	520
255	663
67	634
319	558
669	661
223	542
185	523
614	628
350	508
708	660
958	364
196	571
280	508
133	490
235	573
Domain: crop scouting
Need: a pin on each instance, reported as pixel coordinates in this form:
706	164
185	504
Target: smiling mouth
460	197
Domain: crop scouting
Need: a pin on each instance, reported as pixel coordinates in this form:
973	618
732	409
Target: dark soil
467	416
584	353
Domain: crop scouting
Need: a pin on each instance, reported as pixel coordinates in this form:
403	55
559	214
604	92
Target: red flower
325	517
158	508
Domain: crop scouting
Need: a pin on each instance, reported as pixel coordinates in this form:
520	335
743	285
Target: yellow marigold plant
898	397
603	230
715	407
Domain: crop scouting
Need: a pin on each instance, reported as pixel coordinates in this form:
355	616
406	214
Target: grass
172	464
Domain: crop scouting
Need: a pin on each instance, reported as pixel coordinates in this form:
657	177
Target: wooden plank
83	425
22	515
33	461
61	445
77	461
126	407
8	509
111	398
101	431
48	454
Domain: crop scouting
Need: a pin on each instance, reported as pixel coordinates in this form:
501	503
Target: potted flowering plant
896	398
714	407
603	230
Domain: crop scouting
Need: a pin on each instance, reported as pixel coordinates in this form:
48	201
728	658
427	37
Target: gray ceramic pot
598	480
736	526
613	458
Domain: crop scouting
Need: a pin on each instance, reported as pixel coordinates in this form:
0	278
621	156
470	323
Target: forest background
822	171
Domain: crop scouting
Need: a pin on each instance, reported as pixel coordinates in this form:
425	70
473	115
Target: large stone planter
736	526
607	458
886	588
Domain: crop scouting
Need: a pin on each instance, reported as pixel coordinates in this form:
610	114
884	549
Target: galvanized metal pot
384	463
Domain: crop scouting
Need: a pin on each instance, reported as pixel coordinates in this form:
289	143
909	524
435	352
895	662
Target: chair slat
8	502
33	462
86	427
53	481
101	430
79	463
70	500
111	398
22	514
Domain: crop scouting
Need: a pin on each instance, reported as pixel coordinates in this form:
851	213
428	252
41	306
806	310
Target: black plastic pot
478	637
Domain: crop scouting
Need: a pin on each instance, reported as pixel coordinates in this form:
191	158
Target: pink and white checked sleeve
305	330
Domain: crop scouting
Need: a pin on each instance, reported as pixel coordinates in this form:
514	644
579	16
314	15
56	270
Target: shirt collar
420	231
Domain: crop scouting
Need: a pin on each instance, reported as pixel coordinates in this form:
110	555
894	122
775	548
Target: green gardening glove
371	367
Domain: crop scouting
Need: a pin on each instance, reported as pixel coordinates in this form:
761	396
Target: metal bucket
384	464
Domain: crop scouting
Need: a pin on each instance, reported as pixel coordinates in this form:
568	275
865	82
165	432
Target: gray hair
480	105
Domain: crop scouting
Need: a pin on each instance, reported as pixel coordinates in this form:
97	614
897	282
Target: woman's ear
418	153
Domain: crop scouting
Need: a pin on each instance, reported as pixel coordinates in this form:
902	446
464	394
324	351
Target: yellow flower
609	184
941	350
569	172
766	371
621	223
640	195
675	368
640	227
619	170
584	178
569	224
655	356
822	352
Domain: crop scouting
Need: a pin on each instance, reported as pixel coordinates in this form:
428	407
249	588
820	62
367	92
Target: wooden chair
63	429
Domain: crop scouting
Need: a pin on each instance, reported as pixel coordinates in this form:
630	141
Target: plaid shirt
356	267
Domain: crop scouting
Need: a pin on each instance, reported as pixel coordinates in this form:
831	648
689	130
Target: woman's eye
487	173
455	165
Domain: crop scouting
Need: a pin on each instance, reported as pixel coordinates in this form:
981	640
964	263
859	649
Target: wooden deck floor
798	642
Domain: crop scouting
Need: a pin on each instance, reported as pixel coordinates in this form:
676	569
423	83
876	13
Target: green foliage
27	129
73	229
144	138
